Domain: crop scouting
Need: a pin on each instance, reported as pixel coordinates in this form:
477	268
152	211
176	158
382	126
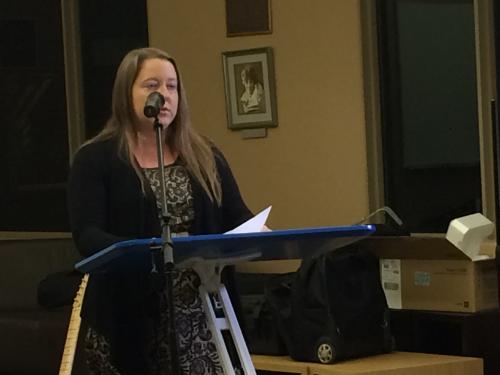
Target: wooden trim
486	78
73	75
371	79
9	236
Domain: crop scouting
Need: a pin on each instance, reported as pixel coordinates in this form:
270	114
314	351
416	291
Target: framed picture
248	17
250	88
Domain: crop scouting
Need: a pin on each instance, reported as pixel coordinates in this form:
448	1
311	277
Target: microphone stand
163	259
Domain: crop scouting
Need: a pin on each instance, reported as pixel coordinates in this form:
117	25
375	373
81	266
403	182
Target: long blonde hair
192	148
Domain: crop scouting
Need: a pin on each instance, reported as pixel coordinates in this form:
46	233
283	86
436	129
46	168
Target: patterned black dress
196	348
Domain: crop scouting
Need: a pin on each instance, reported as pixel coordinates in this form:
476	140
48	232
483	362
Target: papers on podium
255	224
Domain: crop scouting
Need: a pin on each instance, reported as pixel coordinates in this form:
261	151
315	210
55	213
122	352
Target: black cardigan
106	205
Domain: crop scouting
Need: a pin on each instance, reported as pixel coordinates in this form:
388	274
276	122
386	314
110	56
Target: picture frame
250	88
248	17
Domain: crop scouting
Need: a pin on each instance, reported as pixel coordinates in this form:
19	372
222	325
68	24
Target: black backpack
333	307
258	324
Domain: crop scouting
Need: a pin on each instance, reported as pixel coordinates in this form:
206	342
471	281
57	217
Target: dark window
34	142
429	111
109	29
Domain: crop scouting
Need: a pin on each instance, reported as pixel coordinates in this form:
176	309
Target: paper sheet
390	275
255	224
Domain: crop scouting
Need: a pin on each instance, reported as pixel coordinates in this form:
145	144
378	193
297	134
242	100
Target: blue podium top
272	245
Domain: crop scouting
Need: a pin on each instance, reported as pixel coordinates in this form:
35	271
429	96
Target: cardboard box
432	274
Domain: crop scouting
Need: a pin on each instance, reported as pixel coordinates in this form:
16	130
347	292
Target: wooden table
396	363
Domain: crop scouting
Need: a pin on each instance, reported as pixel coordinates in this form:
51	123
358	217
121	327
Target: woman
113	196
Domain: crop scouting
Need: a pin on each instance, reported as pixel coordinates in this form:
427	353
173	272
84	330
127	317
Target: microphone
153	104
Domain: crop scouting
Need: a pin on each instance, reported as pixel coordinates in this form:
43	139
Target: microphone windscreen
153	104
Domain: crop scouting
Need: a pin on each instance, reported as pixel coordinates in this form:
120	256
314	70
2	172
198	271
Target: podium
208	254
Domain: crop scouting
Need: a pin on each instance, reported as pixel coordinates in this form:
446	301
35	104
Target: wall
312	168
